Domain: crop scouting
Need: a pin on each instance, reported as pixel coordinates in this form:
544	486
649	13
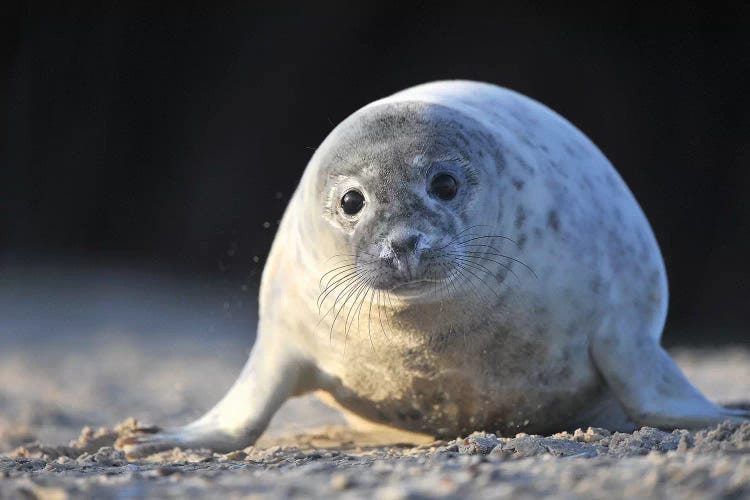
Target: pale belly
495	382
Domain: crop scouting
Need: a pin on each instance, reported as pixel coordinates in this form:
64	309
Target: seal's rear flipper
652	388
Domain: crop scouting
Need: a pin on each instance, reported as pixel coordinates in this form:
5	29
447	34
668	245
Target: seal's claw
736	414
190	437
148	440
152	429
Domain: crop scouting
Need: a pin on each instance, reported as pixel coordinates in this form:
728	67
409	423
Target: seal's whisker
507	267
468	264
346	273
380	318
369	291
361	303
359	263
504	266
440	297
466	283
345	266
456	283
445	281
369	319
443	284
358	290
468	270
341	255
476	265
343	304
488	236
458	235
334	281
354	308
497	253
346	300
451	282
435	282
332	287
347	284
476	292
350	256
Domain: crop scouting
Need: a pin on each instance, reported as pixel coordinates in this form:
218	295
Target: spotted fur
532	301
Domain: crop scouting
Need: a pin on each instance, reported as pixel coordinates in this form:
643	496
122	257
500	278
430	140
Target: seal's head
402	184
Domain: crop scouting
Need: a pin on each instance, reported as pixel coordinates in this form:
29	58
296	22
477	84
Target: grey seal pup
459	257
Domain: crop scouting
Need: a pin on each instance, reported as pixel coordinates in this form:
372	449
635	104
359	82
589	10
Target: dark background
164	138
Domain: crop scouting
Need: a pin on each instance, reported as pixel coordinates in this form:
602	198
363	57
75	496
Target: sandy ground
71	360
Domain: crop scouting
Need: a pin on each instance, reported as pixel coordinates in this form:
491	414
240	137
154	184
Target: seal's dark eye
352	202
444	186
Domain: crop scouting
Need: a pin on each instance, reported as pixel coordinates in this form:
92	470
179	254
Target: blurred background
148	152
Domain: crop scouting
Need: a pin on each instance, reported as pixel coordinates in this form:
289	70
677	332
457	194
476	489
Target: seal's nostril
406	245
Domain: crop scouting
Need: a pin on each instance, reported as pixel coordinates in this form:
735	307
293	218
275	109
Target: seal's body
459	257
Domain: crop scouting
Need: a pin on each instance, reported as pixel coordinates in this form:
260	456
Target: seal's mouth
410	285
413	288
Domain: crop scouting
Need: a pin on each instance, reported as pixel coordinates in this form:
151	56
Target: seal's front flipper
652	388
191	436
270	376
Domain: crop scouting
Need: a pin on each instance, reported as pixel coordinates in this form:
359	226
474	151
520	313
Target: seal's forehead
401	135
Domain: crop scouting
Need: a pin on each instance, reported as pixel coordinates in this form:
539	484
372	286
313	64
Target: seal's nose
405	246
402	250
